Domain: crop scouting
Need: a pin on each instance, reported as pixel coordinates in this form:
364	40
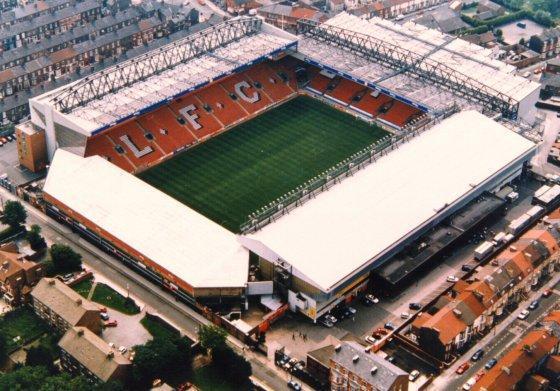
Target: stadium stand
103	146
319	83
345	90
400	113
181	123
370	104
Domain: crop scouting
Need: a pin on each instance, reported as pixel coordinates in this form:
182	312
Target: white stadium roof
187	244
472	61
343	229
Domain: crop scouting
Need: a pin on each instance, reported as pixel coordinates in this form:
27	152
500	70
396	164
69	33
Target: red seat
400	113
226	110
137	136
371	105
209	124
102	146
320	83
272	84
345	91
252	107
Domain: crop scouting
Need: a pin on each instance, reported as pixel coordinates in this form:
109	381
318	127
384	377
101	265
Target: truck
482	251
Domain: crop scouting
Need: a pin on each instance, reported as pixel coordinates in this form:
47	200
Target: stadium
243	162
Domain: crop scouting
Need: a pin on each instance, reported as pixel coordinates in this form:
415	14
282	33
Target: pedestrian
293	337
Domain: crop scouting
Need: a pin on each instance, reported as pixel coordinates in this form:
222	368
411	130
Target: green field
232	175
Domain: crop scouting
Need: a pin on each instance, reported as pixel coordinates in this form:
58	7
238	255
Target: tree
212	337
522	41
64	259
233	367
26	378
36	241
40	356
160	358
499	33
14	214
3	347
64	382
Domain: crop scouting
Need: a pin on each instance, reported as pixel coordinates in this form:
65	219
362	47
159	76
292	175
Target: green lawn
83	287
246	168
107	296
22	323
207	379
158	328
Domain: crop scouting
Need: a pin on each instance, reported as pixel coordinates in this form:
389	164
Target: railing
336	174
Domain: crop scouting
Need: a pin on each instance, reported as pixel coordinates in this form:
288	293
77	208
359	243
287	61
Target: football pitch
232	175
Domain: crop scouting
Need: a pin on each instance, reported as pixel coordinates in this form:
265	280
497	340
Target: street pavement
156	300
500	339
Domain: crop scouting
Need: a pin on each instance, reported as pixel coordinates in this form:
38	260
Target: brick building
18	274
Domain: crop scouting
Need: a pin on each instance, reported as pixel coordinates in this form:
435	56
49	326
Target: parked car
294	385
415	306
123	349
413	375
477	355
389	326
534	305
67	277
391	359
103	309
371	339
405	315
352	310
468	385
326	323
282	360
523	315
491	363
466	268
372	298
452	279
331	318
381	331
111	323
547	293
376	335
463	368
104	315
111	345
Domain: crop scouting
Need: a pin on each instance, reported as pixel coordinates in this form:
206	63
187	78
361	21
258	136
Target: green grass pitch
232	175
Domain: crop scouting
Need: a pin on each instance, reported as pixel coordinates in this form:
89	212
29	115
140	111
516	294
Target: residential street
497	342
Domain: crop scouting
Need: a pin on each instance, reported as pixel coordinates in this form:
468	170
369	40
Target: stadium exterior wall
527	108
175	284
350	285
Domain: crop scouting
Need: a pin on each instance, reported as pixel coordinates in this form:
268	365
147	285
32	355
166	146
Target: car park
477	355
389	326
294	385
547	293
452	279
534	305
523	315
463	368
415	306
413	375
491	363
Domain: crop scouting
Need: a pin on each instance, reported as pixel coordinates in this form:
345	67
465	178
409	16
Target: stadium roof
469	61
116	93
346	228
180	240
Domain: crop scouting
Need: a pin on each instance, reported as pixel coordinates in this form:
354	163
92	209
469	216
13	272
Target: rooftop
92	352
370	367
371	220
62	300
177	238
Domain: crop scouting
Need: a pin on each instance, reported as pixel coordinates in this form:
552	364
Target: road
500	339
156	300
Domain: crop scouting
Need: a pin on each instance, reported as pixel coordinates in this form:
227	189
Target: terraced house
471	308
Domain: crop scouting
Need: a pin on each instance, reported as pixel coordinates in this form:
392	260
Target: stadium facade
322	252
